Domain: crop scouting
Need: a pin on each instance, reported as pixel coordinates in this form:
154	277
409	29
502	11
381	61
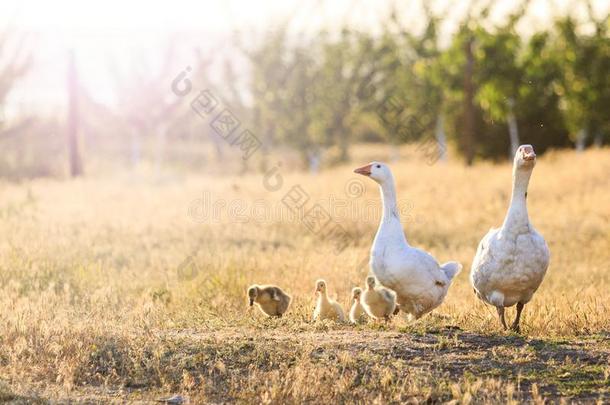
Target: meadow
125	289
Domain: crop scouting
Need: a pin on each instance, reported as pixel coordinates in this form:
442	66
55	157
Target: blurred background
106	88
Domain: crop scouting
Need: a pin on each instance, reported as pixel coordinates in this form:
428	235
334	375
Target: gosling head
380	172
320	287
370	282
252	294
525	157
356	293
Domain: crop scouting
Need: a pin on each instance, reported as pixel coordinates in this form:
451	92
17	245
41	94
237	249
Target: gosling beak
364	170
251	301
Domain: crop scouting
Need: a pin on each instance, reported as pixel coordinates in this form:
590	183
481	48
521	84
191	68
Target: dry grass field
130	290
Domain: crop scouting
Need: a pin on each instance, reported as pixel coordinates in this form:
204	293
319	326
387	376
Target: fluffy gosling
326	308
378	301
270	299
356	313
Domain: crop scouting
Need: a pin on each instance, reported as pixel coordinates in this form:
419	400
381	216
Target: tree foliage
489	80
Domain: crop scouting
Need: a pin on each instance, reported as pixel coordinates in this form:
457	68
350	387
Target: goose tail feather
451	269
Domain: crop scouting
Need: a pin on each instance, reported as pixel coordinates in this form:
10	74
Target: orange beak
364	170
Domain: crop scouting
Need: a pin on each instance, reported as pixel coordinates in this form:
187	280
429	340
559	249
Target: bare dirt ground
277	366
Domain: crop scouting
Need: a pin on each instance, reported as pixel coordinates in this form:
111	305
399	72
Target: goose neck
517	212
324	296
388	199
390	232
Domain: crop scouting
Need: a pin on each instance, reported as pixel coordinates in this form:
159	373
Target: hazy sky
115	31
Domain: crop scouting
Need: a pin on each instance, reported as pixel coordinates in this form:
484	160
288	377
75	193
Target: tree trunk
441	138
581	139
76	166
313	159
468	135
218	146
161	135
513	130
343	146
135	147
598	139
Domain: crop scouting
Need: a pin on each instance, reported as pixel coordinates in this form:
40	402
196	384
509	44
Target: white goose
511	261
419	282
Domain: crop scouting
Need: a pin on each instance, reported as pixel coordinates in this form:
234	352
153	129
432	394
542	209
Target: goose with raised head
511	261
420	283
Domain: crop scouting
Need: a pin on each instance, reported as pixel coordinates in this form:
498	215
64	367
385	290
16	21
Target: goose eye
379	166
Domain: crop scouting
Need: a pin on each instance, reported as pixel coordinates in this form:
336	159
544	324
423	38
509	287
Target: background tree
430	80
500	74
583	62
14	65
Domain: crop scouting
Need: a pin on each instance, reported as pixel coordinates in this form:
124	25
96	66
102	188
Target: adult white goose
419	282
511	261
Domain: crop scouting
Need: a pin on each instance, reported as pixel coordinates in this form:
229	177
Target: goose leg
515	326
501	316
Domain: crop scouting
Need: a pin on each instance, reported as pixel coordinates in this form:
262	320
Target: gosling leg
515	326
501	316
